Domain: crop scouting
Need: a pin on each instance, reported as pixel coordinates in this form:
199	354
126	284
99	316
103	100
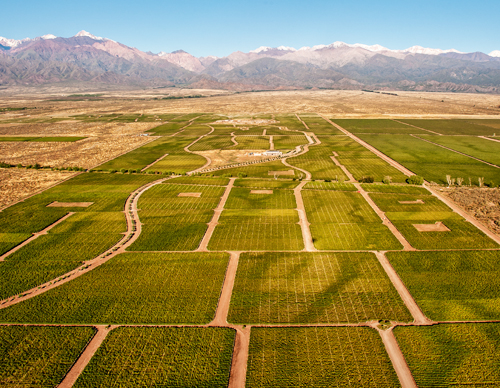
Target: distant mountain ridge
89	58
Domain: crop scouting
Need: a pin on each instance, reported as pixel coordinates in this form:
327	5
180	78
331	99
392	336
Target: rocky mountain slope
88	58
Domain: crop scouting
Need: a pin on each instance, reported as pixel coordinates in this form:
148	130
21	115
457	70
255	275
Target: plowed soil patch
437	227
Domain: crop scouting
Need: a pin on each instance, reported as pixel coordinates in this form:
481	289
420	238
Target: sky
220	27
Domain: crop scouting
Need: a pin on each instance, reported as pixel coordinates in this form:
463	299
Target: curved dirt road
131	235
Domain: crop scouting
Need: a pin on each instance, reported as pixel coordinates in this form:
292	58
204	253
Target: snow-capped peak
89	35
428	51
14	43
339	44
495	54
47	37
263	49
373	48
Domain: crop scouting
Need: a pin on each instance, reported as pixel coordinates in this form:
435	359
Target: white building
273	153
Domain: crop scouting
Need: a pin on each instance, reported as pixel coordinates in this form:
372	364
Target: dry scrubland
16	184
483	204
294	272
337	102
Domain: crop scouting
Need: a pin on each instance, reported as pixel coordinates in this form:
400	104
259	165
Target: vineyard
39	356
345	221
384	126
133	356
174	223
452	355
322	269
454	285
145	288
477	147
313	288
431	161
456	127
318	357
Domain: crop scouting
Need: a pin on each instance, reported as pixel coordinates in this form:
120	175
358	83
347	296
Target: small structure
273	153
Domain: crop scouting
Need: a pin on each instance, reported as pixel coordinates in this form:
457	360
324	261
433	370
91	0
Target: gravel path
85	357
416	312
35	236
215	219
406	245
227	290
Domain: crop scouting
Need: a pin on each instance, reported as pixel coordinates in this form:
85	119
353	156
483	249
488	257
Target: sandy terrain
18	183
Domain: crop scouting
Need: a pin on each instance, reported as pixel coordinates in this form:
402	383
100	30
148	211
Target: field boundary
418	315
414	126
385	221
215	219
132	218
458	152
381	155
87	354
35	236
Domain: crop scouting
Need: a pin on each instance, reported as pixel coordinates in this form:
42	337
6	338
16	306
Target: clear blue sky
221	27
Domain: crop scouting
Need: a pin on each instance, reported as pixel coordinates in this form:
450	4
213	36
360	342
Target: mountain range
87	58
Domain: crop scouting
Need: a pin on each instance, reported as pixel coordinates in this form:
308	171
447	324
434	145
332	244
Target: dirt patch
194	195
226	157
17	183
261	191
418	201
437	227
288	172
482	203
70	204
247	122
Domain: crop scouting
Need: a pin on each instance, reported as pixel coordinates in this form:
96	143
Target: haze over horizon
220	28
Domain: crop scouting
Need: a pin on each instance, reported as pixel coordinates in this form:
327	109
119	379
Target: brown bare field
74	128
261	191
225	157
85	153
339	103
69	204
482	203
18	183
437	227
